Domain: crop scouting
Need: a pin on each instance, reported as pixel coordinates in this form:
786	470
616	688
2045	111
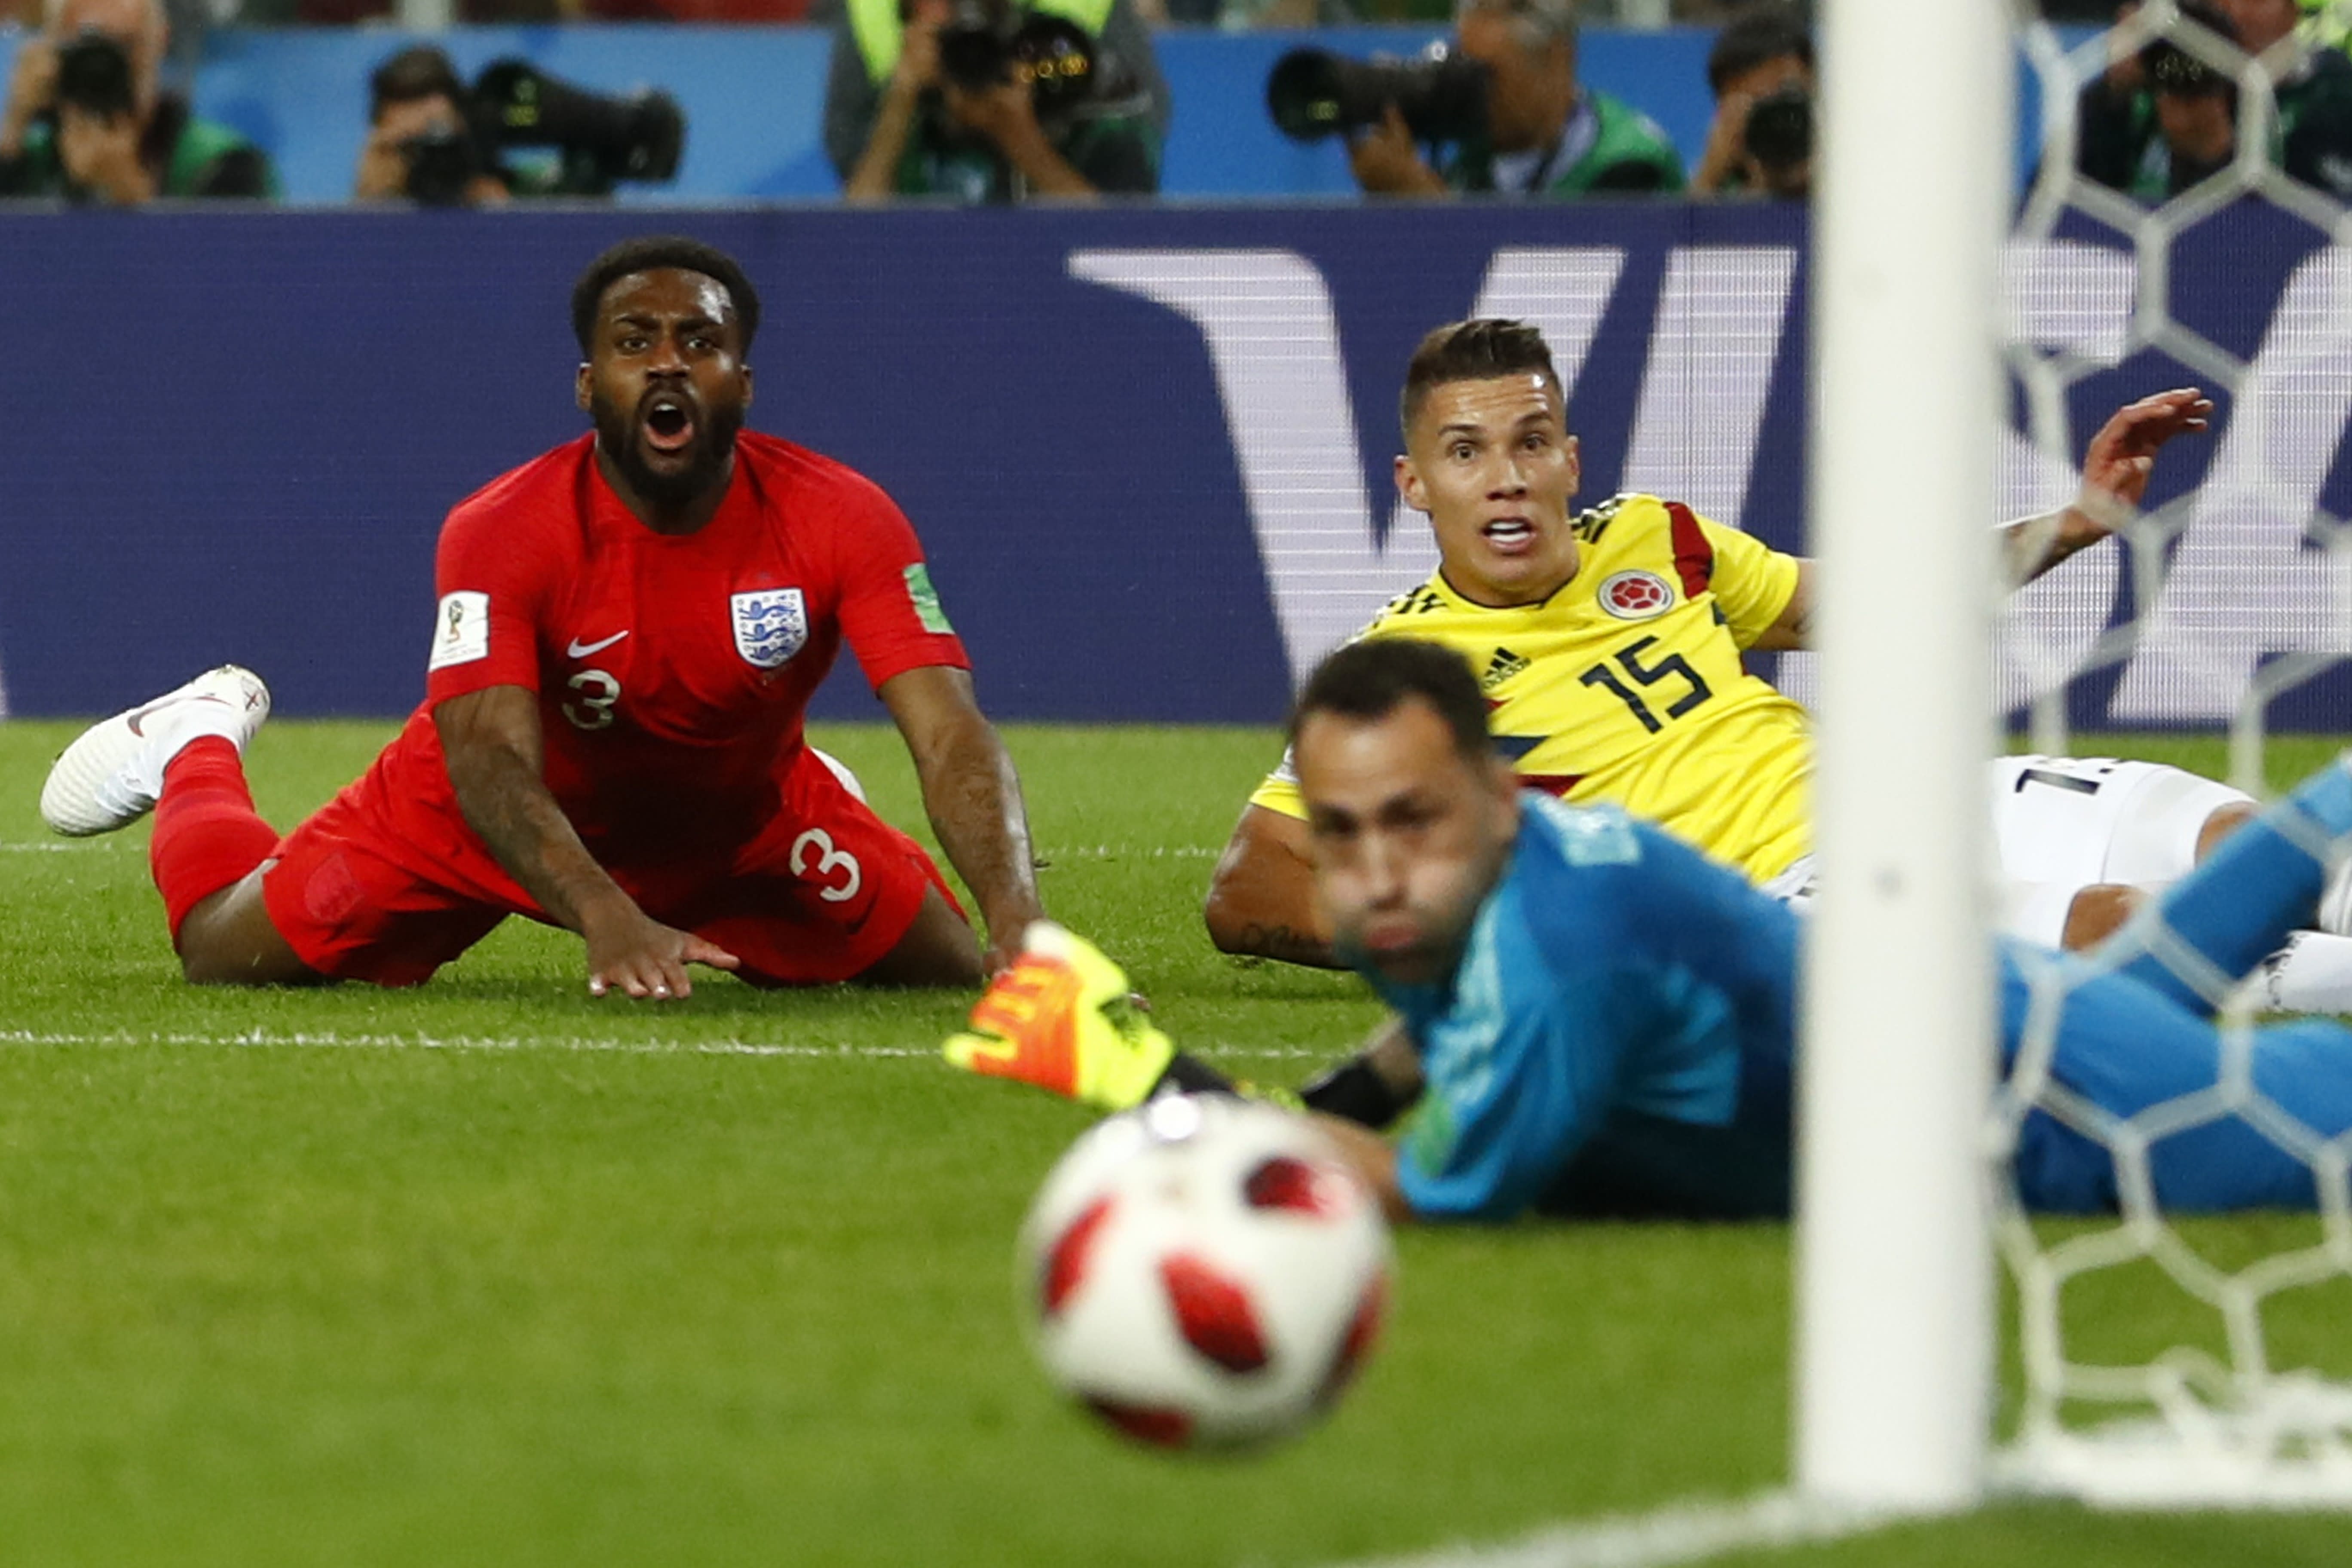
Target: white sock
169	731
2312	973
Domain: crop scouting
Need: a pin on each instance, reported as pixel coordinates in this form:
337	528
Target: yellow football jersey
1627	685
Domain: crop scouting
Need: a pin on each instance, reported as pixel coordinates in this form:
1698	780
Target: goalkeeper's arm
1369	1090
1375	1085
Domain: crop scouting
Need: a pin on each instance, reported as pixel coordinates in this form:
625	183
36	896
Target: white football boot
109	777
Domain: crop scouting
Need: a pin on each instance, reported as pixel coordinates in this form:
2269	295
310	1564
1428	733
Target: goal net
2166	1359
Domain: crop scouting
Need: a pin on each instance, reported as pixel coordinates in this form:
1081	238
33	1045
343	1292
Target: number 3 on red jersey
592	708
814	856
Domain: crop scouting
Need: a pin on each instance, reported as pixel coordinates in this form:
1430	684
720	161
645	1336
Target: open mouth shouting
666	423
1509	535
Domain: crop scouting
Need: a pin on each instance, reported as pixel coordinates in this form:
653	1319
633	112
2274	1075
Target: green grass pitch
491	1272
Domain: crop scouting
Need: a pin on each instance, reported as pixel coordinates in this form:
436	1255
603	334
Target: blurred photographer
88	118
1761	73
2155	136
2196	113
438	142
1542	133
994	101
422	142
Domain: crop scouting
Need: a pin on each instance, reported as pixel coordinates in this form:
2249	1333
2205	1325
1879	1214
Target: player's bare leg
2225	820
227	939
2098	912
2312	973
940	949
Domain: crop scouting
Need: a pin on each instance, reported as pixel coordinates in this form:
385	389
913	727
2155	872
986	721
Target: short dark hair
652	251
416	72
1763	35
1477	349
1370	680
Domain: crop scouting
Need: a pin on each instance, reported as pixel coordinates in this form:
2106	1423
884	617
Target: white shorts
1793	887
2063	824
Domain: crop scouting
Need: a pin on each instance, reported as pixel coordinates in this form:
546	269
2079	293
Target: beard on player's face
687	477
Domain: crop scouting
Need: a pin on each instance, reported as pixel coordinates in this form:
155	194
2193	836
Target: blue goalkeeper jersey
1617	1037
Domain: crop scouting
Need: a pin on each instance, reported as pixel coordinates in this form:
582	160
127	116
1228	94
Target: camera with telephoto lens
443	165
599	140
1313	93
1780	131
94	74
983	46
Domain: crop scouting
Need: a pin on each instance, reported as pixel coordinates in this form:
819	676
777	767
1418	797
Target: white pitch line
106	846
1680	1532
331	1038
1129	852
334	1039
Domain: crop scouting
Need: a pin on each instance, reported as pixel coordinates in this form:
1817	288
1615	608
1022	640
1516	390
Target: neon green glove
1062	1019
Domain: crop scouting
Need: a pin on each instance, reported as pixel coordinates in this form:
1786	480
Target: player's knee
2098	912
2224	821
228	940
940	949
203	963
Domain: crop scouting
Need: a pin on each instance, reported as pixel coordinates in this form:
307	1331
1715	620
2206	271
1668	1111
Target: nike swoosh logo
583	649
159	706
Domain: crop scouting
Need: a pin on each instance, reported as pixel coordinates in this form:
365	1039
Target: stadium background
489	1271
1148	448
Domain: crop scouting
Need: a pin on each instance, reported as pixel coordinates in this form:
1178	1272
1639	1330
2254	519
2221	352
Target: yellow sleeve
1280	792
1752	581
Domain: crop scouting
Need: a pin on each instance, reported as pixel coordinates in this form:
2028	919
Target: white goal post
1895	1278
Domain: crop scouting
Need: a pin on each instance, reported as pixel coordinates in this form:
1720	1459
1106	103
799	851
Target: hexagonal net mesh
2170	1357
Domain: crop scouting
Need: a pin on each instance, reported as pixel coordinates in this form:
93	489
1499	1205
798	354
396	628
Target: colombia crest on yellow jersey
1627	684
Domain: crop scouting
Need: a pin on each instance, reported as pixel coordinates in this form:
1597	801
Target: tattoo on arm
974	799
1286	944
506	801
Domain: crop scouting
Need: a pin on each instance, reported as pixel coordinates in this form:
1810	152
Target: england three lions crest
771	626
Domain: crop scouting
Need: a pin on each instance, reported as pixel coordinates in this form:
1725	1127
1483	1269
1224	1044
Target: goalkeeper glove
1061	1018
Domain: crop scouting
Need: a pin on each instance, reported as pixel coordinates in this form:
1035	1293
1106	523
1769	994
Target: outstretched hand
639	955
2116	465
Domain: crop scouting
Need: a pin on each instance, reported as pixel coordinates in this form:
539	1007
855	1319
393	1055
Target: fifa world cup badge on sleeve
926	600
461	629
771	626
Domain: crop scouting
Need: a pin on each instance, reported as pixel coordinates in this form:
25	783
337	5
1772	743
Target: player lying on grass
629	630
1610	643
1592	1017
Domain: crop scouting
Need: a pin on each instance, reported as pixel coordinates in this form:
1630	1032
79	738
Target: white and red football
1204	1273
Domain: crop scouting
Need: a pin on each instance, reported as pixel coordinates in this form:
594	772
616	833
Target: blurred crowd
972	101
1007	101
2177	107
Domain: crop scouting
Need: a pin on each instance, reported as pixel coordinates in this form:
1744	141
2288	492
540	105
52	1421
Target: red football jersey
673	672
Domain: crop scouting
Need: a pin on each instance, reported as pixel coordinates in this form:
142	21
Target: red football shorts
819	893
